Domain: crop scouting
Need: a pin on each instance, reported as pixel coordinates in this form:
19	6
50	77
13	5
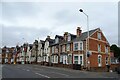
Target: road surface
38	71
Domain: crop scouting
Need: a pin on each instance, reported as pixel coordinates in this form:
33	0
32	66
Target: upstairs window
99	35
69	38
53	49
81	46
68	47
106	49
99	48
63	48
56	40
76	46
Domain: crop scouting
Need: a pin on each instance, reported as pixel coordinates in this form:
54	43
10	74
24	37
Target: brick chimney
78	31
65	36
48	37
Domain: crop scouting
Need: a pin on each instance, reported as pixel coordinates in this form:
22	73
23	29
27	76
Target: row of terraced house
66	50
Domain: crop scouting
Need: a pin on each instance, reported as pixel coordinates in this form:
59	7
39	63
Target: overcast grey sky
30	20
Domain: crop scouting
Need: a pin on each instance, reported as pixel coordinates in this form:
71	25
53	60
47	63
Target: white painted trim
100	64
102	33
79	58
98	40
78	45
93	32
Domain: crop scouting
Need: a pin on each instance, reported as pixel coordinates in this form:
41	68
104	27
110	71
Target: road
38	71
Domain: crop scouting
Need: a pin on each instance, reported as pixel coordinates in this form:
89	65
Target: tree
116	51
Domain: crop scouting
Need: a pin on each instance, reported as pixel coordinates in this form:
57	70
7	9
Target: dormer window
69	38
99	35
56	40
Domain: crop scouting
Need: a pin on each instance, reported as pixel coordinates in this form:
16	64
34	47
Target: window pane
99	36
80	57
75	57
80	46
76	62
76	46
68	47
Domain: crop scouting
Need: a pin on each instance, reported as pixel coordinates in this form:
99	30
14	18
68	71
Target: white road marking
60	73
27	70
42	75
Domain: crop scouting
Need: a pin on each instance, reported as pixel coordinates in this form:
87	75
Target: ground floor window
56	59
106	60
99	60
78	59
61	59
75	59
64	59
81	59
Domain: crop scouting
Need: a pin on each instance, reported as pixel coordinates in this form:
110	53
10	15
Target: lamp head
81	10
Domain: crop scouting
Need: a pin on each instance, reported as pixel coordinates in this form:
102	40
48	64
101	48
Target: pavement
38	71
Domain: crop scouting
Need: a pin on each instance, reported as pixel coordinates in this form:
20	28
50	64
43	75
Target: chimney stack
78	31
48	37
65	36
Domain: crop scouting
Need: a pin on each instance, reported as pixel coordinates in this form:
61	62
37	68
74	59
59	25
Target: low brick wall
99	69
114	66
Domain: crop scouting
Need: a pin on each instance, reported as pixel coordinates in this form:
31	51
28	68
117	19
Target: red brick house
72	49
98	47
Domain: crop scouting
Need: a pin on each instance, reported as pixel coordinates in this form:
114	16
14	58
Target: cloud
14	35
31	20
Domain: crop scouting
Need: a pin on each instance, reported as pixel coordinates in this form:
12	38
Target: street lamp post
87	47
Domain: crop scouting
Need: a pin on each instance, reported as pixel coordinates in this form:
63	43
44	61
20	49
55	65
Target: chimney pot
78	31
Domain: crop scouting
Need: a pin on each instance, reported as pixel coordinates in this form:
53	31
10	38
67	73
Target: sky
26	21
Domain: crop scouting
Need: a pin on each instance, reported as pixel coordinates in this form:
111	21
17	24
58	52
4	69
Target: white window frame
106	49
61	58
99	36
55	59
53	49
79	61
68	47
99	59
106	60
69	58
63	48
81	46
76	60
75	46
99	48
57	40
69	38
65	59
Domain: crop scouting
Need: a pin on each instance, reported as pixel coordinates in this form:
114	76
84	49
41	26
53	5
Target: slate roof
84	35
51	41
42	42
61	37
